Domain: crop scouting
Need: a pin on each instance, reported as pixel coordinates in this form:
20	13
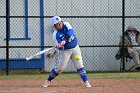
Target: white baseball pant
65	55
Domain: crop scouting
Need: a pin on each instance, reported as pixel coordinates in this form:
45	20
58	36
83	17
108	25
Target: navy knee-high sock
52	75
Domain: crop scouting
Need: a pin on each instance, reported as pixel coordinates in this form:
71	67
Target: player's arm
61	44
70	31
60	41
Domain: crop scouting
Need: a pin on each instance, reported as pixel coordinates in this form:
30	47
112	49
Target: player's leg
63	58
52	75
79	66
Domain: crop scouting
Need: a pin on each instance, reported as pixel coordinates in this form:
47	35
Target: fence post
123	30
7	36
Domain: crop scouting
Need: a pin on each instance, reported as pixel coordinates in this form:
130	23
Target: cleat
87	84
46	83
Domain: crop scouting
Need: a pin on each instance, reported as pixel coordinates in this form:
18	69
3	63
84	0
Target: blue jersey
60	35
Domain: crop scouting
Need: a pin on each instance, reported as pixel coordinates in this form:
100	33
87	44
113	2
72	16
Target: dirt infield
71	86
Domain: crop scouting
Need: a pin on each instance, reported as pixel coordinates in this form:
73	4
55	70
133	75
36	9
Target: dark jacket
128	43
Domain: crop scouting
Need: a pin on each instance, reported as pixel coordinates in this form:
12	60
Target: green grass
128	75
105	75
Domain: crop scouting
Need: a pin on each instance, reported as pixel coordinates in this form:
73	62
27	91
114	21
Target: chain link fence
97	23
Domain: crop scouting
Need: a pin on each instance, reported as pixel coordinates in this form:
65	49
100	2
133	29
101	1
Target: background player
67	46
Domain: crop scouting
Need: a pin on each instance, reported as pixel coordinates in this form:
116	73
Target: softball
77	57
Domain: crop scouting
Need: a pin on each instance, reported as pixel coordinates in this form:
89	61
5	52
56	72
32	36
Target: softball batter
67	45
